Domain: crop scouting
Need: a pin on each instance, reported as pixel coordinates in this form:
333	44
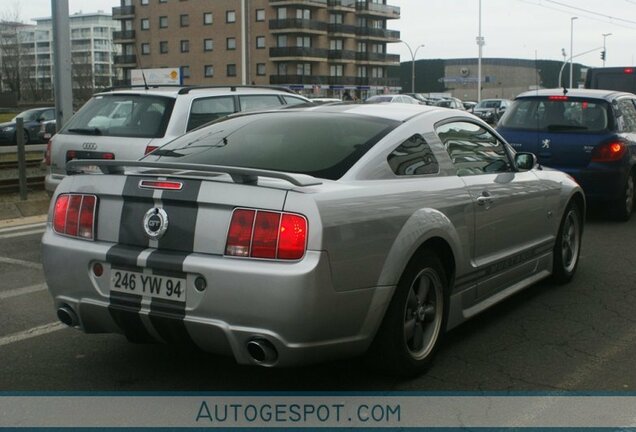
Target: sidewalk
13	211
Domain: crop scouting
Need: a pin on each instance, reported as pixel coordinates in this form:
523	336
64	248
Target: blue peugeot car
589	134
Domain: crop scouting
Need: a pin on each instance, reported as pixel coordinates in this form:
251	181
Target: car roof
586	93
392	111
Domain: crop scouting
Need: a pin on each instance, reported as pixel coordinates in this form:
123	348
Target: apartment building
319	46
27	51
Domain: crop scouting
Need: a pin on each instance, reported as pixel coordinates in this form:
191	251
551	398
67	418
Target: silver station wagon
307	234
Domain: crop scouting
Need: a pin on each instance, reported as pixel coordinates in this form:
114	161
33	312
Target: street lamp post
413	54
605	35
480	42
571	47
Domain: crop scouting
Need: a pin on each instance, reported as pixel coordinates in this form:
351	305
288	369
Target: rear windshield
323	145
488	104
562	114
122	115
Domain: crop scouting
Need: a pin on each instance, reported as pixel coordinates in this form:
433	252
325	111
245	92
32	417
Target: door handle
485	200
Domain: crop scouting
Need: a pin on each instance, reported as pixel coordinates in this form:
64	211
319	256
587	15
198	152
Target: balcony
125	60
343	29
379	10
379	34
298	53
123	36
306	3
294	25
378	57
341	55
378	82
342	5
123	12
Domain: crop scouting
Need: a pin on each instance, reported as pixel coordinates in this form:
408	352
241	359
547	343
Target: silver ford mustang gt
308	234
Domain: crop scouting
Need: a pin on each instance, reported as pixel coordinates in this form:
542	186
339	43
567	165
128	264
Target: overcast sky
512	28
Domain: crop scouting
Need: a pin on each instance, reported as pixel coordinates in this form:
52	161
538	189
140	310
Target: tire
567	248
625	206
27	139
415	320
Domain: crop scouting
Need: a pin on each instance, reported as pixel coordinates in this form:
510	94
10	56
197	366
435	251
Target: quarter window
413	157
205	110
472	149
627	117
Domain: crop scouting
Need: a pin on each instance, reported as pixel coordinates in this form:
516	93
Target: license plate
148	285
91	169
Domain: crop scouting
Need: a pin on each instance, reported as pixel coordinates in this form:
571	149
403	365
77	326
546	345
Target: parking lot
580	336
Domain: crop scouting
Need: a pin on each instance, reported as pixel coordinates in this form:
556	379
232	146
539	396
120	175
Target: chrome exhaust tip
66	315
262	351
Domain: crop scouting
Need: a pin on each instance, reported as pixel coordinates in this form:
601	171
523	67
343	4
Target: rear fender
423	225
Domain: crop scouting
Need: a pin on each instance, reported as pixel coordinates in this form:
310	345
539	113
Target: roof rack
138	86
187	89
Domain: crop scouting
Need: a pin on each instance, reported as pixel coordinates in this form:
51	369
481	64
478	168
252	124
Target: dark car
491	110
47	130
450	102
32	121
589	134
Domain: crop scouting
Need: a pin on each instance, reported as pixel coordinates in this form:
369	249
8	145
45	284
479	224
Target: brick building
319	46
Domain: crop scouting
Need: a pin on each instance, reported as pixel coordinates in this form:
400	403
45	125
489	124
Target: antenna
141	67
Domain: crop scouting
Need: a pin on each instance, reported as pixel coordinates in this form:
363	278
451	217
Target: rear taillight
266	234
74	215
47	154
609	152
150	149
628	70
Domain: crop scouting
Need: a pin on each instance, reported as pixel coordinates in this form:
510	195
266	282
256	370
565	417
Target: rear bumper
291	305
601	183
51	181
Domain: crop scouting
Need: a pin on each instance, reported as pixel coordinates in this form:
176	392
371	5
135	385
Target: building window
335	44
230	16
208	71
260	14
281	13
144	2
282	68
377	72
362	47
260	42
303	69
335	70
145	48
260	69
281	41
163	47
335	18
303	41
185	46
231	43
208	45
163	1
207	18
163	22
184	20
362	72
145	24
185	71
303	14
231	70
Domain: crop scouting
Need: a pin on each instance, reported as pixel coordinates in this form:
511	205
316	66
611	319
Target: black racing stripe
124	308
123	256
136	203
182	209
167	316
167	319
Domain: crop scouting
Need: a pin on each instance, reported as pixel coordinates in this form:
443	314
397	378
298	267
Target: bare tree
10	52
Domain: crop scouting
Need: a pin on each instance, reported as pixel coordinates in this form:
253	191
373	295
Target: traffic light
603	55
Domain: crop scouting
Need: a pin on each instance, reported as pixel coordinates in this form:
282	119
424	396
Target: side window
48	115
291	100
413	157
205	110
628	113
254	102
473	149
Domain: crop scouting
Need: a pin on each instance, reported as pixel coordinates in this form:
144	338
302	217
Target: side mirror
525	161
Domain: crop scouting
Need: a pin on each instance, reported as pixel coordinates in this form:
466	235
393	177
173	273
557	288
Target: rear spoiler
238	174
